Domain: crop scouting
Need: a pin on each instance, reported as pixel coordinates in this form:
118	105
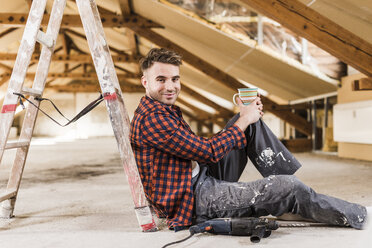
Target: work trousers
217	193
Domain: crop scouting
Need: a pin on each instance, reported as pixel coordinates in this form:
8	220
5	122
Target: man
186	176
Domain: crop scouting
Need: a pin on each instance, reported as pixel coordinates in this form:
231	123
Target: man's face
162	82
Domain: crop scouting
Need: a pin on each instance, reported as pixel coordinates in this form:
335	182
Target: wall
346	95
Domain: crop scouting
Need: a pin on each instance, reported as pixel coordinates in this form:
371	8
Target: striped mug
246	95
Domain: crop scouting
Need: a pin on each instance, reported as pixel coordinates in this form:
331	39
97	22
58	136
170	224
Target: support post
325	121
314	120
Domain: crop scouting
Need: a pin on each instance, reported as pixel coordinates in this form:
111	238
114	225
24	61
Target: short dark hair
161	55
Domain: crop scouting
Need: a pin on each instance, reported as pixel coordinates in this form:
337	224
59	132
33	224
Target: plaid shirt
164	145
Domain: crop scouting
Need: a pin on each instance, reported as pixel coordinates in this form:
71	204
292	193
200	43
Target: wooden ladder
110	89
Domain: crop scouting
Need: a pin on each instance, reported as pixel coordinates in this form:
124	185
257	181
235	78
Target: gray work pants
218	194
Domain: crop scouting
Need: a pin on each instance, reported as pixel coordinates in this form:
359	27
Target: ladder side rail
21	64
115	105
31	112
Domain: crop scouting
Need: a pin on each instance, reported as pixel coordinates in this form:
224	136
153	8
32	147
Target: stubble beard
162	98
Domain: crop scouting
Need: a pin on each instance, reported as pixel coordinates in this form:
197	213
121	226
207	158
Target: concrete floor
75	194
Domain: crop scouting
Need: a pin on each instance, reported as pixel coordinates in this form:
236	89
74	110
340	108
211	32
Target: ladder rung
44	39
7	195
16	144
31	92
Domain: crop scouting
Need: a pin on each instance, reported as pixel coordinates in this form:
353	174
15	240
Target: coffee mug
246	95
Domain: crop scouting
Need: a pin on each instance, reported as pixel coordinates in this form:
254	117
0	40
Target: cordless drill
256	228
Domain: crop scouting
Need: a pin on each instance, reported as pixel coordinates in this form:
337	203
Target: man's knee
292	183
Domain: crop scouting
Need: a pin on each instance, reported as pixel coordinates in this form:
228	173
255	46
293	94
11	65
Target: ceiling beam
108	20
362	84
318	29
82	58
203	115
195	118
125	7
138	75
126	10
66	46
113	49
6	67
73	75
225	112
300	123
29	2
4	79
93	87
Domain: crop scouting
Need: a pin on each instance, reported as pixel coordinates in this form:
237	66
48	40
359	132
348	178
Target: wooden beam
29	2
194	117
362	84
298	145
94	87
74	68
108	20
297	121
222	111
299	106
126	10
125	7
201	122
66	46
120	52
6	67
103	11
302	106
82	58
188	57
4	79
318	29
128	72
201	113
73	45
76	76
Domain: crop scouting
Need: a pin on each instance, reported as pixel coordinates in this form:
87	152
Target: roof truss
108	20
318	29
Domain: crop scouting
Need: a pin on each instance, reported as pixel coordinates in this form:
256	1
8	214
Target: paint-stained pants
219	195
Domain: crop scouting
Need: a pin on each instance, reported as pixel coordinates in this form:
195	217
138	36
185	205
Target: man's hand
249	113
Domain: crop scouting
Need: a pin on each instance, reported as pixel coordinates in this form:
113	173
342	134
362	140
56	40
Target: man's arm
163	132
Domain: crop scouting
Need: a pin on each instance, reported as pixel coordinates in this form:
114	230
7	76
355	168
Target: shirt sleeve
164	132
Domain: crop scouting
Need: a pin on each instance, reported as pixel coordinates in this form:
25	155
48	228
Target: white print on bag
267	157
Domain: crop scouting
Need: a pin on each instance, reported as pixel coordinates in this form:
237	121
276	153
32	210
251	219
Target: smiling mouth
169	95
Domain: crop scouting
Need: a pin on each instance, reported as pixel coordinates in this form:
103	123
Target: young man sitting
186	176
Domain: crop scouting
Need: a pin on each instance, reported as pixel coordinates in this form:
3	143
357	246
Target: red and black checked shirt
164	145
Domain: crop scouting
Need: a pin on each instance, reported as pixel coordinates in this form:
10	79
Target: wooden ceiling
216	63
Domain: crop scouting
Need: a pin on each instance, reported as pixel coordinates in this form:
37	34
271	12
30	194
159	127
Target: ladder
110	89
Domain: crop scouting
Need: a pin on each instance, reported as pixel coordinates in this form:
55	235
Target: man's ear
144	82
